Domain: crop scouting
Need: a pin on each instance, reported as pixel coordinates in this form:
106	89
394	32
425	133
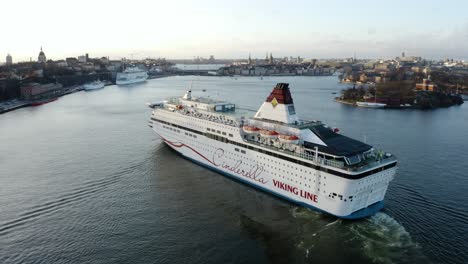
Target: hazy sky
232	29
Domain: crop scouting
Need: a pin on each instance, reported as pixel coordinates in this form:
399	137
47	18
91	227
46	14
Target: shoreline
17	105
344	102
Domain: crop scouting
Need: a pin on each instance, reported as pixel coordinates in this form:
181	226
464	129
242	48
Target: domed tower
42	57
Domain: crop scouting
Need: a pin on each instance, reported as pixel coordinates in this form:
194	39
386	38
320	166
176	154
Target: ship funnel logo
274	102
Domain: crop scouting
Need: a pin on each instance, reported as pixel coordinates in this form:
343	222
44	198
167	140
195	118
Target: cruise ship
303	161
131	75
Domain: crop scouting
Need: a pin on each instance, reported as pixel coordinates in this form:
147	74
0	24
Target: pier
11	105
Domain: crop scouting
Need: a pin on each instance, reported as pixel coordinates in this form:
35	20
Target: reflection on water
84	179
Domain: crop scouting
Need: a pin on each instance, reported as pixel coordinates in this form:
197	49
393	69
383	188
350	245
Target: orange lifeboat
290	139
268	133
180	107
251	130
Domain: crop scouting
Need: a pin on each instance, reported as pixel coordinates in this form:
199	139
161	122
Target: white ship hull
93	86
370	105
131	77
302	184
131	81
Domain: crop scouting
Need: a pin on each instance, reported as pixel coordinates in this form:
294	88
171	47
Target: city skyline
185	29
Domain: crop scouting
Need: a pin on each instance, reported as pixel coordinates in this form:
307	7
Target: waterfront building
36	91
42	57
260	71
105	60
71	61
363	78
426	85
245	72
61	63
82	59
410	59
9	60
211	59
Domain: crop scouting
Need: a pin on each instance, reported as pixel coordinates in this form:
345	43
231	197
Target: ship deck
360	167
238	118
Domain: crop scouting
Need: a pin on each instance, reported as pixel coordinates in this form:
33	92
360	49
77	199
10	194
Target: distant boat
131	75
93	85
370	105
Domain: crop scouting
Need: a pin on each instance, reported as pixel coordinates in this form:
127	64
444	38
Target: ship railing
319	160
305	155
300	124
371	163
211	117
368	163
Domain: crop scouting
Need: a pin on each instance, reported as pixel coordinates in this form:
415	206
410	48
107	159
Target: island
400	94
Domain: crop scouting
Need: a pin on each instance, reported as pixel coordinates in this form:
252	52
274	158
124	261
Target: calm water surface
85	180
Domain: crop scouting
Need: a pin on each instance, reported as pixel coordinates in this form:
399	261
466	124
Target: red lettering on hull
252	173
304	194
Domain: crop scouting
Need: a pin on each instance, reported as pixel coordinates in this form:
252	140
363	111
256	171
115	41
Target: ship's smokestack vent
282	86
280	94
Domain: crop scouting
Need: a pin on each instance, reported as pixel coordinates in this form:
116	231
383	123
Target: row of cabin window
241	151
218	131
173	129
190	135
174	125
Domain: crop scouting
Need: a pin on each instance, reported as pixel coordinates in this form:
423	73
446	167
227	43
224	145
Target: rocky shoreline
401	98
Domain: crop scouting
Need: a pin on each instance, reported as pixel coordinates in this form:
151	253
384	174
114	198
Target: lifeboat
290	139
251	130
268	133
180	107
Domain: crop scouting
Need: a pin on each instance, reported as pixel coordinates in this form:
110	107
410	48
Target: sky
232	29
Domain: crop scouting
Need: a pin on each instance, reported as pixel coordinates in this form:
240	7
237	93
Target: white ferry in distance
131	75
93	85
303	161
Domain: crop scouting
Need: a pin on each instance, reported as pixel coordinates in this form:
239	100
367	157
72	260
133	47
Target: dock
10	105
